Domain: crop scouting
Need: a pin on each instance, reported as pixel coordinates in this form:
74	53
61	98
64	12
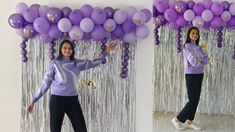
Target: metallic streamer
217	96
110	107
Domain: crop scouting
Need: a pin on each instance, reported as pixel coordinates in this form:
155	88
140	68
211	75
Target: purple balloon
128	26
217	8
190	4
231	22
180	7
21	7
75	16
171	3
120	16
160	20
44	38
86	10
30	15
226	16
35	7
98	33
86	36
170	15
173	25
198	22
118	33
109	12
109	25
207	25
66	11
216	22
226	5
142	32
64	25
181	21
20	32
207	3
161	5
139	18
54	15
198	8
130	37
42	11
41	25
54	32
232	9
87	25
147	13
98	16
207	15
29	31
130	11
76	33
16	21
189	15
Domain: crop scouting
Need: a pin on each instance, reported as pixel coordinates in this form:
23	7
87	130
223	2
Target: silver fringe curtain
110	107
217	96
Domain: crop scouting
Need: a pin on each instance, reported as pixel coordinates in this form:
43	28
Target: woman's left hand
111	47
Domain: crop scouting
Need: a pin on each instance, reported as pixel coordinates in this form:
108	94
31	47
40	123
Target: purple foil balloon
180	7
16	21
29	31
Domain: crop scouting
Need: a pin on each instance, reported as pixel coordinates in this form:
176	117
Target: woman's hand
30	107
111	47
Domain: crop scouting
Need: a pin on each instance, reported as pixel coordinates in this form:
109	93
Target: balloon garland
205	14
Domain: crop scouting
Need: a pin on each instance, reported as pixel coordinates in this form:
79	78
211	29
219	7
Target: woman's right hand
30	107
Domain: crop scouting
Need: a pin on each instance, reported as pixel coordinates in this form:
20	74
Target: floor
209	123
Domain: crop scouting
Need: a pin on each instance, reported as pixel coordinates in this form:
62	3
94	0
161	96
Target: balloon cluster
48	23
125	58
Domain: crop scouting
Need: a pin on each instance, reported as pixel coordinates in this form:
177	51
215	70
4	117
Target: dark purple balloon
54	32
198	8
181	7
54	15
16	21
128	26
118	33
75	16
226	5
126	45
24	52
124	69
231	22
125	63
66	11
86	36
123	75
24	58
109	12
22	45
29	31
190	4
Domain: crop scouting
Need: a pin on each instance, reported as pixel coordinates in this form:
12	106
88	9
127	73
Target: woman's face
66	50
194	35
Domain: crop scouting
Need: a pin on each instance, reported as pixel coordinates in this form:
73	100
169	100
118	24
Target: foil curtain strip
108	108
217	96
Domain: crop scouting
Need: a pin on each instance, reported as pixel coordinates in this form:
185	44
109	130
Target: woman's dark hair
60	56
188	40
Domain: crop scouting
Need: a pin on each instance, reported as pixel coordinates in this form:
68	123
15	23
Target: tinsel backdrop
217	96
110	107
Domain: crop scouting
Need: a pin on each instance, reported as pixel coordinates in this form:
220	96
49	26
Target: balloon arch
205	14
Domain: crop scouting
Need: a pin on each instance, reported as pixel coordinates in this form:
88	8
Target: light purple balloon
29	31
42	11
130	37
54	32
130	11
66	11
226	16
21	7
128	26
139	18
173	25
207	15
41	25
75	16
64	25
87	25
16	21
217	8
54	15
181	21
142	32
232	9
170	15
207	3
198	8
118	32
98	16
198	22
216	22
44	38
98	33
189	15
161	5
226	5
190	4
76	33
109	25
147	13
30	15
180	7
86	10
120	16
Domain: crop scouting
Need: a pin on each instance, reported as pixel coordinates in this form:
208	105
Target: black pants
60	105
194	84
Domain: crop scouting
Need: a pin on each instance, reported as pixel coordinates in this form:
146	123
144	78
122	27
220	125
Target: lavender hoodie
191	65
62	76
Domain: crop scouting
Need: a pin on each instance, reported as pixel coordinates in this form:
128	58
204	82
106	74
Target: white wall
10	68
